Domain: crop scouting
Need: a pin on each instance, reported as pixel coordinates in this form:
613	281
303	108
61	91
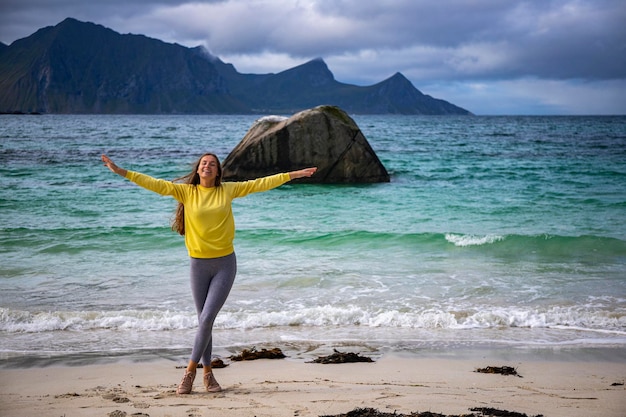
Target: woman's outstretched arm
306	172
114	168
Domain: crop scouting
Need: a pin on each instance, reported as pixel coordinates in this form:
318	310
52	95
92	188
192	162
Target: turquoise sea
498	232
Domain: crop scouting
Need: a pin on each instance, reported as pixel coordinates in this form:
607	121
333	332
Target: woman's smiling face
208	169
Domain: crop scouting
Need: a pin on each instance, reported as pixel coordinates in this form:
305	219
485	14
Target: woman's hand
306	172
111	165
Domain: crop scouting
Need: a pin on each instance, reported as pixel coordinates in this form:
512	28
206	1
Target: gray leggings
211	281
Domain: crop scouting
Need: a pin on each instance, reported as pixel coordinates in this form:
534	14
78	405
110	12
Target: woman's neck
207	183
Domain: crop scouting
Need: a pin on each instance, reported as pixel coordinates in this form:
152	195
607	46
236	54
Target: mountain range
84	68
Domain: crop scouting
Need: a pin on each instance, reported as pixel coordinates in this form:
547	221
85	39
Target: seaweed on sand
502	370
484	412
252	354
342	357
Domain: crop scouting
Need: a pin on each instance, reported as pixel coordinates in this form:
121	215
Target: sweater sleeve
242	189
156	185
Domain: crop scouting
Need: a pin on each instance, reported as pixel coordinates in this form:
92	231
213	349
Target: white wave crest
15	321
472	240
573	317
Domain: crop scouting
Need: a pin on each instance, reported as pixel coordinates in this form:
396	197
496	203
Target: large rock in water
325	137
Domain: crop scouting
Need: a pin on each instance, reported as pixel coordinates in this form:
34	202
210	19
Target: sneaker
187	383
210	383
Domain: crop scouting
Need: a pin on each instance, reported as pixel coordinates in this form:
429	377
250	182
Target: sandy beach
575	386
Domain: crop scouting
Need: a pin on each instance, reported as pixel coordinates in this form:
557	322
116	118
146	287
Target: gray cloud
567	47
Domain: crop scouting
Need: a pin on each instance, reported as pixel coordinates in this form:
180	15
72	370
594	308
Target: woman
204	216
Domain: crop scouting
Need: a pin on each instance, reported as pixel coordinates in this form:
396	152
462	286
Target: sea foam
472	240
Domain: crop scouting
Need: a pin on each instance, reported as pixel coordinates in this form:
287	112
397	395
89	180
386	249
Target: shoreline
306	351
567	384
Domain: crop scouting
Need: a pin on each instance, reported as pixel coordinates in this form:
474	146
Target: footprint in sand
193	412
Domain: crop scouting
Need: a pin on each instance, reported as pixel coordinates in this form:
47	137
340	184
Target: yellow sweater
209	221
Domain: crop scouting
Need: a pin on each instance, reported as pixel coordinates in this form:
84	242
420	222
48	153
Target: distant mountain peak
399	76
313	63
315	72
203	51
398	82
74	24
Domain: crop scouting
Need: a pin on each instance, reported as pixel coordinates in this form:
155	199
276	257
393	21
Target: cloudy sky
488	56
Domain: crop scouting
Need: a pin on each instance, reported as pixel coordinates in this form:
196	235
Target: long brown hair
178	224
